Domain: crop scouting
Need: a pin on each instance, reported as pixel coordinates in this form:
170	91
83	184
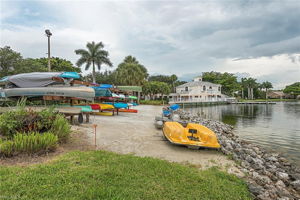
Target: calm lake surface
275	127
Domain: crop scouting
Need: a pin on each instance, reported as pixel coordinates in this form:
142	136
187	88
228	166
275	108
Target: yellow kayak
103	113
105	106
191	135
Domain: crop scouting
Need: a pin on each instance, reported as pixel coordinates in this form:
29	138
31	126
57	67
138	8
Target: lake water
276	127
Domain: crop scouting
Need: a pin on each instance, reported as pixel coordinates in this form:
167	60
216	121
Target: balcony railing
197	100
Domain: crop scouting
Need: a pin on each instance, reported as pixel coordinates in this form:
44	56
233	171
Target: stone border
269	175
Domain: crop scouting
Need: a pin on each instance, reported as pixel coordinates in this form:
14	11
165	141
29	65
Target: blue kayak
118	105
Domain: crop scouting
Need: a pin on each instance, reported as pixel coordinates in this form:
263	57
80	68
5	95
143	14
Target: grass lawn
105	175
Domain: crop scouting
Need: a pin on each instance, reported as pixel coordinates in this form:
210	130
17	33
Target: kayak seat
193	132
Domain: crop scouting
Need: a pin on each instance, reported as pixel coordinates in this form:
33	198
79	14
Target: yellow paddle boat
191	135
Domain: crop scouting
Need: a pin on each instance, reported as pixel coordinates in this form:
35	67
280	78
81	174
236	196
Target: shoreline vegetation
268	175
106	175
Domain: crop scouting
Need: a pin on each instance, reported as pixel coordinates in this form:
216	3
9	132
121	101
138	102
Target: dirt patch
78	141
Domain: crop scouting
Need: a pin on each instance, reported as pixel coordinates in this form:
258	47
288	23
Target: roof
198	83
130	88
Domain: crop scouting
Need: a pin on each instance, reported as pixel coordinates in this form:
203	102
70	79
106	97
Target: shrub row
28	143
26	121
28	131
152	102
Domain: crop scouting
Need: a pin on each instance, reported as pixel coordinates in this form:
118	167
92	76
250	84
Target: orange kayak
128	110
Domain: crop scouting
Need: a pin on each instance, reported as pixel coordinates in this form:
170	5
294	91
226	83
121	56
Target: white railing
197	100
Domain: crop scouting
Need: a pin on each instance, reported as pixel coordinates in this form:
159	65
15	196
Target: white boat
78	92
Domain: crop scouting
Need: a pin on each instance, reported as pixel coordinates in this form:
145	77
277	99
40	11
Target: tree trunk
243	93
249	93
266	93
94	73
252	96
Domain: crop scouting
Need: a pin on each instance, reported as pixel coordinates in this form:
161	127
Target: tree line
131	72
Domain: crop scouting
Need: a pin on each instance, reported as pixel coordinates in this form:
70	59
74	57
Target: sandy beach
131	133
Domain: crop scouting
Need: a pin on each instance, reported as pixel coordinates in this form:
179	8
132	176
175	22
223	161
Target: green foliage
172	80
41	65
28	143
155	87
293	89
94	55
11	122
9	60
107	77
227	80
130	72
27	121
151	102
61	128
105	175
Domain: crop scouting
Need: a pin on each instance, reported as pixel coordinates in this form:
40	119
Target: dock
253	102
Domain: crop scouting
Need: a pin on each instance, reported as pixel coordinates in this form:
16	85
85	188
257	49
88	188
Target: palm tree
243	86
94	55
267	85
250	84
131	72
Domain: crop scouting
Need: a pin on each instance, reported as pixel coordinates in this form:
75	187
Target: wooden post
95	132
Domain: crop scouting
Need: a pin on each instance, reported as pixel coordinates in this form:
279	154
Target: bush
24	121
152	102
61	128
31	143
11	122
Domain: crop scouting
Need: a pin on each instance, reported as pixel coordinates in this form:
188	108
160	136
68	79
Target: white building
197	91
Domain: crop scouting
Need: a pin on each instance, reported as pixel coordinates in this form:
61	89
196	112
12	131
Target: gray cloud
167	36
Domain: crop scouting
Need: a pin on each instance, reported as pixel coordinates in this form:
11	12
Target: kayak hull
191	135
103	113
118	105
128	110
77	92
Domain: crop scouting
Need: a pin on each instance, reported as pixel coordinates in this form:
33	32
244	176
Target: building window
219	88
210	87
196	96
204	88
186	88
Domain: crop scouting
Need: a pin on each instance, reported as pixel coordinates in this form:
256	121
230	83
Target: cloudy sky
250	38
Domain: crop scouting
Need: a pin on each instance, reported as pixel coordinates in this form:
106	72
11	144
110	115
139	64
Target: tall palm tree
267	85
94	55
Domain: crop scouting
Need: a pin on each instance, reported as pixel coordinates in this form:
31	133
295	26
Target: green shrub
12	121
22	120
6	148
153	102
31	143
61	128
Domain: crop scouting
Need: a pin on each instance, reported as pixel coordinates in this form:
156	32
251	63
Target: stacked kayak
85	109
102	109
44	84
128	110
117	105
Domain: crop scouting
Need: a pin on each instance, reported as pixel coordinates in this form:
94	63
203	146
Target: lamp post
48	34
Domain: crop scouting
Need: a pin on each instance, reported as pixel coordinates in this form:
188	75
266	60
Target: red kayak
128	110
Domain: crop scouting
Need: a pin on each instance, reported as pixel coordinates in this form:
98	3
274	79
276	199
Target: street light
48	34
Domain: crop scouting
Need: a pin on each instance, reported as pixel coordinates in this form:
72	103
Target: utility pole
48	34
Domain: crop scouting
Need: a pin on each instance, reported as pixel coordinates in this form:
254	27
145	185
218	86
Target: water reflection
276	126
